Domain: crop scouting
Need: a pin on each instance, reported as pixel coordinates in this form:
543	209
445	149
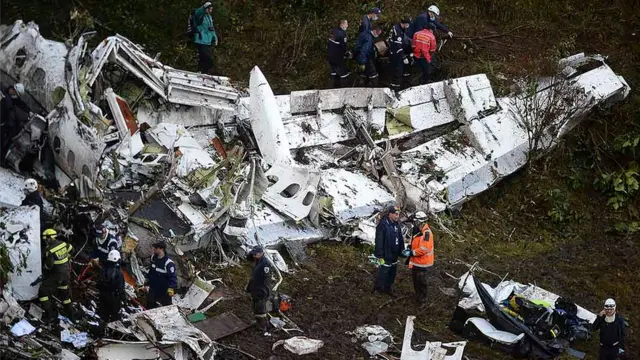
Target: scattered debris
300	345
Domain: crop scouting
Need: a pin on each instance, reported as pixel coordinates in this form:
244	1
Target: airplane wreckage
156	151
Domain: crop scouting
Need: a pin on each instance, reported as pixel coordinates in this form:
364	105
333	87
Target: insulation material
300	345
470	97
354	194
266	121
21	236
192	157
293	190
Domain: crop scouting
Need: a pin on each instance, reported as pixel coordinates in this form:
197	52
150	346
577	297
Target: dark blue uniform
103	248
365	55
35	198
612	336
397	55
420	23
260	290
365	24
389	246
336	53
162	276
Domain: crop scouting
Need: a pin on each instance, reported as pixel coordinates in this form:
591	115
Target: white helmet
420	215
114	256
434	9
30	185
610	303
19	88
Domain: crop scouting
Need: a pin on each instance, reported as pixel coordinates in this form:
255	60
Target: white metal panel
294	191
334	99
470	96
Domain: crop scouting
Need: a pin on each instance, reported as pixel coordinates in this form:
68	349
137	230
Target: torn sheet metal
354	194
124	118
266	121
188	88
490	331
11	185
501	292
198	292
127	350
311	101
33	60
470	97
21	236
432	350
423	107
181	115
167	324
176	136
293	189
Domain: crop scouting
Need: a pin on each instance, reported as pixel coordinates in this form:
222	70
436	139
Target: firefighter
424	45
399	60
105	242
420	253
372	15
32	197
389	245
337	53
55	275
111	288
612	331
259	286
162	277
365	54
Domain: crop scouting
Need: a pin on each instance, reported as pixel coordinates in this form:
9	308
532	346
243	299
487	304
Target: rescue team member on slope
205	37
420	255
337	53
612	331
428	17
372	15
55	275
366	56
259	287
389	245
32	197
162	277
424	44
399	60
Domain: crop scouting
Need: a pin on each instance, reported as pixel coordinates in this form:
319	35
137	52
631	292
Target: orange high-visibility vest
422	249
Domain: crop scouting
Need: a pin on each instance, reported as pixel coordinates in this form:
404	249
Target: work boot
262	323
68	311
48	313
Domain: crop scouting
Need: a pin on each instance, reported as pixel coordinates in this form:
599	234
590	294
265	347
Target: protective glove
450	34
406	61
406	253
361	67
380	261
170	292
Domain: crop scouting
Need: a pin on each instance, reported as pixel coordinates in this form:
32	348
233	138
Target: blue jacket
364	50
162	275
396	38
258	286
102	249
420	23
389	241
205	33
337	45
365	25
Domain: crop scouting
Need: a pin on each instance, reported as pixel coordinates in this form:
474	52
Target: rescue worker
337	53
32	197
259	286
365	24
389	245
105	242
430	16
366	56
205	37
111	288
424	44
612	331
399	60
55	275
162	277
10	126
420	255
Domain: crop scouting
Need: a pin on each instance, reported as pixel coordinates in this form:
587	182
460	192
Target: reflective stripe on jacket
424	43
162	275
422	249
57	255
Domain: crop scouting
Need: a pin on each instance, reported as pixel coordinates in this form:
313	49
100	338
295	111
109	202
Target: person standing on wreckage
111	288
389	246
162	277
612	331
259	287
105	242
55	275
205	37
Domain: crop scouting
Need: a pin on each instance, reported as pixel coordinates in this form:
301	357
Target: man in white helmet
111	288
10	99
32	197
420	255
612	331
430	16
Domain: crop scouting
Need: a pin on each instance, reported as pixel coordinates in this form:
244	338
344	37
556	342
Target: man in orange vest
424	43
420	255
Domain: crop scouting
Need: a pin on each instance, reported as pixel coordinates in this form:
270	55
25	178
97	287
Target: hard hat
434	9
30	185
19	88
114	256
420	215
610	303
49	233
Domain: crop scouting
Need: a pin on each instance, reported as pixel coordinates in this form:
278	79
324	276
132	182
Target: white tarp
21	236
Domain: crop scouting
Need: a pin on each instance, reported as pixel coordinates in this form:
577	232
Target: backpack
192	25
